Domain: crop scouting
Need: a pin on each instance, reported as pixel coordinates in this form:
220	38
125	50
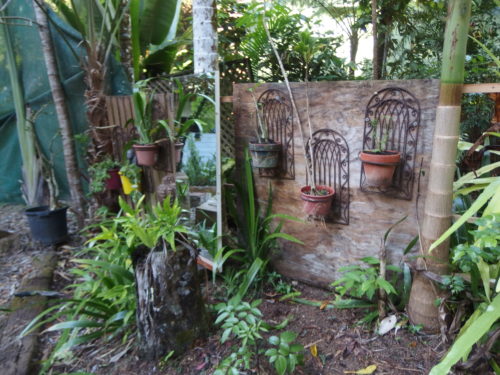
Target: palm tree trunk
437	212
204	36
69	149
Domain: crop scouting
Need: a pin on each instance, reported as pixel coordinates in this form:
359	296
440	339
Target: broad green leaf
471	336
280	365
288	336
475	207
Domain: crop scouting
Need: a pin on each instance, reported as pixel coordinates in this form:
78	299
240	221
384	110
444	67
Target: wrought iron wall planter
277	115
396	113
330	153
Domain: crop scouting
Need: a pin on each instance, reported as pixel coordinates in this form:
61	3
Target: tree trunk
125	35
376	57
438	212
170	310
69	149
204	36
354	43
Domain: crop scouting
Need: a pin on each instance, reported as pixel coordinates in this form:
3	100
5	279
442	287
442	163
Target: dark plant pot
48	226
113	182
317	205
379	167
146	154
178	152
265	155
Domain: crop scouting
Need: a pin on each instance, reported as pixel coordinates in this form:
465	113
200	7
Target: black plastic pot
48	227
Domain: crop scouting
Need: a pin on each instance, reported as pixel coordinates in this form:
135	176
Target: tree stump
170	312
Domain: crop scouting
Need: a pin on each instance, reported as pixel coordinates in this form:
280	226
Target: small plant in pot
145	149
104	175
379	163
265	152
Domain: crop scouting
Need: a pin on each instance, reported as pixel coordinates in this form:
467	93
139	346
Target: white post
204	36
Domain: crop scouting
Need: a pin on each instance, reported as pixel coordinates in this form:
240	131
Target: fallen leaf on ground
365	371
324	304
314	350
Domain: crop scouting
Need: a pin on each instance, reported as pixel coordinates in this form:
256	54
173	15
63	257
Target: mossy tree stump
170	313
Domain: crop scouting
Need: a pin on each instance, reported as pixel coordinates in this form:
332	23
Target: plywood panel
339	106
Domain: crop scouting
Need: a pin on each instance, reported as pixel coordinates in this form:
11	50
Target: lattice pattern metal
331	167
396	112
277	116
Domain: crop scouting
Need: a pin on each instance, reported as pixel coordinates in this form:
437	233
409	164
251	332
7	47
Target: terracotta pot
146	154
379	167
178	151
113	182
265	155
317	205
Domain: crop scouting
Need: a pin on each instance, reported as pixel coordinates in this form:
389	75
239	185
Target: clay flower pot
317	205
379	167
265	155
113	182
146	154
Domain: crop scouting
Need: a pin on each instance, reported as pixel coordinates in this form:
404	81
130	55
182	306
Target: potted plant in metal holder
317	198
265	152
379	163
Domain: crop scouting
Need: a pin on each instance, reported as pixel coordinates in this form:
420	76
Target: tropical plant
285	26
365	281
143	100
256	234
103	297
200	172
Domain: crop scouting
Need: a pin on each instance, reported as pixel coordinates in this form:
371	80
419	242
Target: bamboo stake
438	204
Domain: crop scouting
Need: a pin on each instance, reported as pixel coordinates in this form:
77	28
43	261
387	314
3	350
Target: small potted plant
379	163
145	149
48	223
265	152
104	175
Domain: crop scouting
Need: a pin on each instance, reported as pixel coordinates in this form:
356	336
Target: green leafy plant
99	174
143	101
361	281
200	172
256	233
285	354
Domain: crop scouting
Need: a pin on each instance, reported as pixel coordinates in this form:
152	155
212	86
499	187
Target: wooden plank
481	88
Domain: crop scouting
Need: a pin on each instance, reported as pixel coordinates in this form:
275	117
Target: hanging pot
113	182
146	154
178	152
265	155
317	205
48	226
379	167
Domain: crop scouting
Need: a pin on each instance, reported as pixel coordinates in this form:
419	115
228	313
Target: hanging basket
317	205
147	155
265	155
379	167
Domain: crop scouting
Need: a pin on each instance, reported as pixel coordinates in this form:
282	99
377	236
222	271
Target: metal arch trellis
396	113
277	115
331	168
